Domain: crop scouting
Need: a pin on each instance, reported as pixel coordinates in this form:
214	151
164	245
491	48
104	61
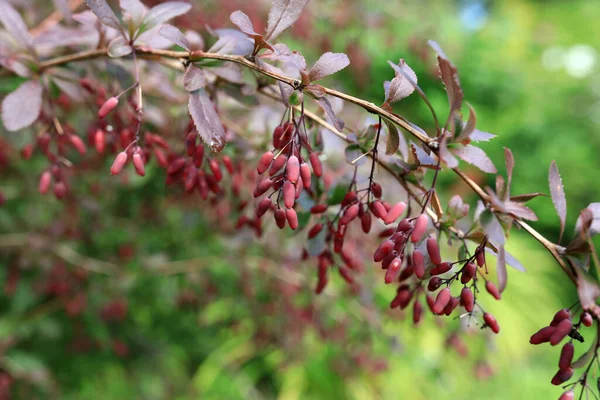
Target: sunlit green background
531	71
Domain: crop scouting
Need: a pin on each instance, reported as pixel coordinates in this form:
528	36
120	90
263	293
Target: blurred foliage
189	332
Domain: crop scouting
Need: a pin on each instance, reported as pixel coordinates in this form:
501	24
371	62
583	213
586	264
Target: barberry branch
156	54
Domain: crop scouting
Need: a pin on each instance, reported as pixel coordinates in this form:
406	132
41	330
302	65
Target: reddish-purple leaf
449	75
446	156
22	107
395	141
207	120
481	136
519	210
524	198
243	22
119	47
174	35
468	127
326	106
194	78
104	13
14	24
501	269
557	191
421	157
283	14
475	156
329	63
133	10
492	227
231	41
400	87
163	12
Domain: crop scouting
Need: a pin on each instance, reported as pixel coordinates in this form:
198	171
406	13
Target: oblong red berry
119	163
376	190
394	212
480	256
491	322
289	194
277	164
305	175
190	144
107	107
404	226
45	181
315	230
315	162
349	215
586	319
441	301
292	218
392	272
383	250
60	190
138	164
228	164
99	141
441	269
262	187
78	144
318	209
263	206
417	312
418	262
560	315
420	228
176	166
467	299
493	290
433	249
568	395
542	336
434	284
365	222
280	218
468	272
264	162
161	157
292	169
199	156
378	209
561	331
215	169
562	376
566	356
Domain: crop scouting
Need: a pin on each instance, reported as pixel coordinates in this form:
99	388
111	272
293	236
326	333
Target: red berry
468	273
586	319
263	206
292	169
349	215
190	144
107	107
365	222
441	269
493	290
383	250
394	212
99	140
542	336
199	156
318	208
277	164
404	226
315	230
45	181
138	163
467	299
560	315
433	249
562	376
60	190
378	209
280	218
216	170
561	331
442	300
78	144
418	262
434	284
176	166
262	187
420	228
316	164
480	256
376	190
491	322
566	356
289	194
417	312
392	271
119	163
568	395
292	218
305	175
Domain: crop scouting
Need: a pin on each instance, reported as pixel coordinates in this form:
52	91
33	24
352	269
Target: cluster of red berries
288	174
561	327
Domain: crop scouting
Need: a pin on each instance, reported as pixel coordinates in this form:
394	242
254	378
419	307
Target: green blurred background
224	328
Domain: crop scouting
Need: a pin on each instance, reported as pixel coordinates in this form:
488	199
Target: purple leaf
475	156
22	107
510	165
104	13
133	10
445	155
421	157
232	41
329	63
481	136
119	47
450	79
492	228
173	34
163	12
519	210
524	198
315	90
207	120
14	24
326	106
283	14
501	269
469	126
557	191
243	22
591	222
400	87
194	78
